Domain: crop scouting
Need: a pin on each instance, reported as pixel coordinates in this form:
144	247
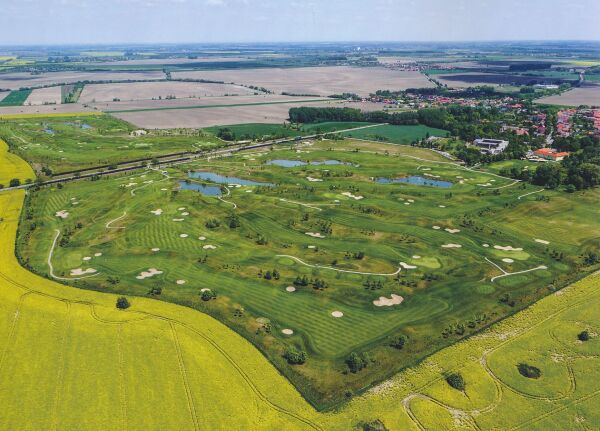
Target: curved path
51	268
300	261
108	225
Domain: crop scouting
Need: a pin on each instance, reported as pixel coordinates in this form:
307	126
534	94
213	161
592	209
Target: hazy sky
146	21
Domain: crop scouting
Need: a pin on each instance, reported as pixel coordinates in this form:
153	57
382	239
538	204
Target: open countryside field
322	81
587	95
45	96
15	98
396	134
380	260
154	90
65	143
17	80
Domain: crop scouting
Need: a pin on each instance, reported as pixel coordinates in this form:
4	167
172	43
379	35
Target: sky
27	22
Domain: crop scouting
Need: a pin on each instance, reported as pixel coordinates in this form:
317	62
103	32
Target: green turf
15	98
396	134
451	286
261	131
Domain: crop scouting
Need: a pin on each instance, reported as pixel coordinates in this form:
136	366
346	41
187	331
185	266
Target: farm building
490	146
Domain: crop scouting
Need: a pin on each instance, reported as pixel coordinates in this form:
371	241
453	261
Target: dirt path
52	268
300	261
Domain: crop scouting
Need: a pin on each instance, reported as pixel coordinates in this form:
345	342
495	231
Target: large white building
490	146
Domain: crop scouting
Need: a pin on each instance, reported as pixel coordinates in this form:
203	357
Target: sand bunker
148	274
315	234
313	180
129	185
62	214
209	247
183	235
311	247
507	248
164	190
452	246
412	201
206	289
79	271
416	257
442	206
97	254
337	314
542	241
157	212
181	209
287	332
290	289
185	214
178	219
350	195
436	227
507	260
452	230
202	238
180	281
486	245
407	266
87	258
388	302
155	249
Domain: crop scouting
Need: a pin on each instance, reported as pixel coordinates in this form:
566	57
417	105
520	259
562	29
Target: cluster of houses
563	122
572	121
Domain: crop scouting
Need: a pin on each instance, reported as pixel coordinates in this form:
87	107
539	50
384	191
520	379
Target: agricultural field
327	260
45	96
260	131
15	98
154	90
396	134
17	80
12	166
585	95
65	143
320	81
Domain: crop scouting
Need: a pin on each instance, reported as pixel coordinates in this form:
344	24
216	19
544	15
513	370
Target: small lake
416	180
49	131
295	163
202	188
222	179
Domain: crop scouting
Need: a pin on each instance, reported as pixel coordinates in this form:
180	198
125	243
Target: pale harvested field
14	81
207	117
3	94
158	61
149	90
43	109
43	96
323	81
589	95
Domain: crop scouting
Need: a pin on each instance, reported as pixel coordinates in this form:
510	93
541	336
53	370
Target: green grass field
449	291
63	143
396	134
15	98
259	130
106	369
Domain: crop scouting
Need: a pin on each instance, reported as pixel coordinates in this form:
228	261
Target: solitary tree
123	303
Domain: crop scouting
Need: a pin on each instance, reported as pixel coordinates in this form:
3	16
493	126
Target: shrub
15	182
398	342
295	356
456	381
123	303
207	295
356	362
529	371
375	425
583	336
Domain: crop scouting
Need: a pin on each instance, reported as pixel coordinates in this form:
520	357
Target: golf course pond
286	163
416	180
205	189
222	179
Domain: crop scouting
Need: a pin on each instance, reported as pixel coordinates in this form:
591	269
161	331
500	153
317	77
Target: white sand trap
180	281
287	332
79	271
442	206
74	203
62	214
311	247
315	234
337	314
436	227
97	254
388	302
148	274
290	289
452	246
164	190
406	203
129	185
206	289
542	241
181	209
432	176
452	230
350	195
407	266
485	185
416	257
412	201
507	260
157	212
314	180
248	191
178	219
209	247
73	199
183	235
185	214
87	258
486	245
202	238
507	248
156	249
426	169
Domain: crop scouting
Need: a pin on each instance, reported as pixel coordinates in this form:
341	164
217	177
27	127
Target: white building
490	146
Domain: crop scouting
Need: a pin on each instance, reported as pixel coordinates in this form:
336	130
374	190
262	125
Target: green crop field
70	360
396	134
458	258
15	98
259	130
63	143
12	166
